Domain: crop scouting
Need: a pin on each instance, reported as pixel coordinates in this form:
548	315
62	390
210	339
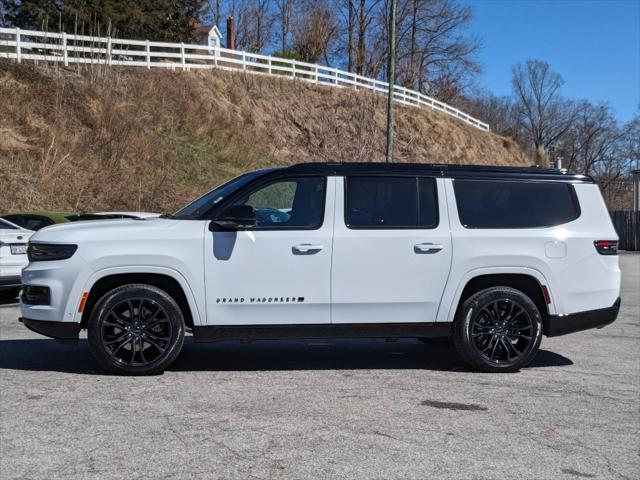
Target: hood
105	230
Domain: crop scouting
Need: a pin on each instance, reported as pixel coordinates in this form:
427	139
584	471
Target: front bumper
13	281
556	325
64	331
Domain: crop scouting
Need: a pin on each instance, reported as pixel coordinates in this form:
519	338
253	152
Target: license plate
19	249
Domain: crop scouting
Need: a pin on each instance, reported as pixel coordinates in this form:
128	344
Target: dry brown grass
100	139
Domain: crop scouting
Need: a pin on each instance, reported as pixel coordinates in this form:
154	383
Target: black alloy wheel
498	330
136	330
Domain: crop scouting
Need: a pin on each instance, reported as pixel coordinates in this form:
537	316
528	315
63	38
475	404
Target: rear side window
514	204
391	202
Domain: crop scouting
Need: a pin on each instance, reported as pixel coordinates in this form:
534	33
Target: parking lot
326	409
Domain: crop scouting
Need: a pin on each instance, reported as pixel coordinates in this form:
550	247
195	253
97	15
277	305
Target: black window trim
569	184
411	227
265	181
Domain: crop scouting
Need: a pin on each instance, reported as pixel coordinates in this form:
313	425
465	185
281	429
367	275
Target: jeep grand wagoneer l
492	257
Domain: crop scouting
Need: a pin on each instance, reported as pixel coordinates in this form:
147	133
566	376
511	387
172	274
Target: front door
391	251
278	272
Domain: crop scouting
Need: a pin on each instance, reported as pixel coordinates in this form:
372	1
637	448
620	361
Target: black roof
442	170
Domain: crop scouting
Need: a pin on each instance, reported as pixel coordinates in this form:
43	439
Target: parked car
40	219
13	257
492	257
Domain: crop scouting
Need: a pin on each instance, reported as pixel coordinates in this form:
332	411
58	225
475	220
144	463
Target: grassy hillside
104	138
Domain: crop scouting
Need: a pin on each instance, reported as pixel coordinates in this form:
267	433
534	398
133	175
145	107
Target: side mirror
236	217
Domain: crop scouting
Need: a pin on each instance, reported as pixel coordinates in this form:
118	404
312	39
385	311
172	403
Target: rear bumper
13	281
65	331
556	325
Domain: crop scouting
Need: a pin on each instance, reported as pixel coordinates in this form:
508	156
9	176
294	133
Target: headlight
39	252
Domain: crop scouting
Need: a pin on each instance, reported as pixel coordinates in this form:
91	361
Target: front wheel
136	330
498	330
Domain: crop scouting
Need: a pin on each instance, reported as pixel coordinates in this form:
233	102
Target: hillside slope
101	139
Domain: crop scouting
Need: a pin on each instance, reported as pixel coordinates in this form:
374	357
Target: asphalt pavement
354	409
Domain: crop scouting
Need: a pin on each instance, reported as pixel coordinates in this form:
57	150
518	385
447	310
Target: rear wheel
498	330
136	330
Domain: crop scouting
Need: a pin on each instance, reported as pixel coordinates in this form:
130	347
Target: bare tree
365	13
632	140
436	53
314	29
284	12
350	29
215	10
540	110
254	24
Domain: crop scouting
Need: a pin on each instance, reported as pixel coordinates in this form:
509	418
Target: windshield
200	206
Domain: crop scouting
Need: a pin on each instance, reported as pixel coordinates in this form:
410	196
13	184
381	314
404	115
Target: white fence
67	48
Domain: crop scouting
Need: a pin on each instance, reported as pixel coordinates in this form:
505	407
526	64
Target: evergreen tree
161	20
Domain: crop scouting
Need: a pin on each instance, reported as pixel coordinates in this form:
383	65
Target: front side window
291	203
202	205
391	202
514	204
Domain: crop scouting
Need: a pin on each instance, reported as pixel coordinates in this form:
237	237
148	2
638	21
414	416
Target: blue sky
593	44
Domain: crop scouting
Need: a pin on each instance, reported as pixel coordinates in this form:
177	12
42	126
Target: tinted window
504	204
30	222
209	200
391	202
292	203
6	226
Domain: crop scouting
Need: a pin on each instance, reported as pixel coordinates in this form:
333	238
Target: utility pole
392	77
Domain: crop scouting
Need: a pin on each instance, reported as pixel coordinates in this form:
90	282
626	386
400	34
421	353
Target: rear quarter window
514	204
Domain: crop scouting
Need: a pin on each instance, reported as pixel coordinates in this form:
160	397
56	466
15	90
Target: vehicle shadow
344	354
8	300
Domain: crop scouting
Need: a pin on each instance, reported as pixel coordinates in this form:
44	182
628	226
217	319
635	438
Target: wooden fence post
18	49
109	47
148	55
244	60
65	54
269	65
184	60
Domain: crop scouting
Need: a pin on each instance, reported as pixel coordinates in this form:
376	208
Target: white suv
492	257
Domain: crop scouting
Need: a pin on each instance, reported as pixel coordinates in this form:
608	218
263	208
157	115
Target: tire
143	342
498	330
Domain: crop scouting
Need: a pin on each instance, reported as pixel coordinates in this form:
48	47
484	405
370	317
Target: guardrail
66	48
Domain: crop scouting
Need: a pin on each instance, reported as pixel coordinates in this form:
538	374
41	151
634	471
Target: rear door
391	250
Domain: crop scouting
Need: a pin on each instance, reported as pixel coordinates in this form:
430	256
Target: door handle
306	249
427	247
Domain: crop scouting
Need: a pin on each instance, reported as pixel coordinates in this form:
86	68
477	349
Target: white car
492	257
13	255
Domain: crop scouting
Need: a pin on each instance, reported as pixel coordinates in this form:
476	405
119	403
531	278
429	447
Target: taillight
606	247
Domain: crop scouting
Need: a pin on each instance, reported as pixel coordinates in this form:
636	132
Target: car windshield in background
198	207
6	226
95	216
